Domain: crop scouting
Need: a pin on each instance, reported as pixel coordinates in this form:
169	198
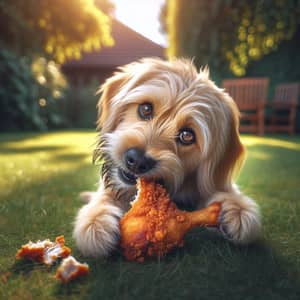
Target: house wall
84	76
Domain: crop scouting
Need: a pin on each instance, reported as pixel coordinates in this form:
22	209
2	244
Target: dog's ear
216	172
233	158
106	120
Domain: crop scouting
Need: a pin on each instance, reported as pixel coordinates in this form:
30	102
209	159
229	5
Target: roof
129	46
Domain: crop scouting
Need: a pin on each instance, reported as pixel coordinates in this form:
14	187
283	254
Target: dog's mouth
131	178
127	177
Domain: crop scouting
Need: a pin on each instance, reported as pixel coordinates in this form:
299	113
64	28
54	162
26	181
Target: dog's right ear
106	120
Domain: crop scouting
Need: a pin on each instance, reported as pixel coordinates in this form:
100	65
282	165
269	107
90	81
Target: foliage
42	175
259	28
49	76
62	29
29	91
282	65
79	107
228	33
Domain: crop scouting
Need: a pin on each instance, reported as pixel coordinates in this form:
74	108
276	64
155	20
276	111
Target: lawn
42	175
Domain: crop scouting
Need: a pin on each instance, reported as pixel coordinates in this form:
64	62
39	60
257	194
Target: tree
29	93
62	29
229	34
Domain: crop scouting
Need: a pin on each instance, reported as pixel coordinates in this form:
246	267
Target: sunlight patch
260	155
265	141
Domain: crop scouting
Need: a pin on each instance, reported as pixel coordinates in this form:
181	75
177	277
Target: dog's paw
97	229
239	218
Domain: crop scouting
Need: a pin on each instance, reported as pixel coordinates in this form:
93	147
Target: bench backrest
286	93
248	93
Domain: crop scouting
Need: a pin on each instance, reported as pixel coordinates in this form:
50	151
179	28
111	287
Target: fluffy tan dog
165	121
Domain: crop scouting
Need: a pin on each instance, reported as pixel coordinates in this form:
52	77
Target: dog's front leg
240	217
97	225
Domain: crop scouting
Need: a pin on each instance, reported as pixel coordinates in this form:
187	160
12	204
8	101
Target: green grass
41	176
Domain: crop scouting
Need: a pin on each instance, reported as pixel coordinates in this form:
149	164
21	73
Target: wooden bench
250	95
283	108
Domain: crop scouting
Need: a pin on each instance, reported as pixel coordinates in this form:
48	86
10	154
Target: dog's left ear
106	120
233	158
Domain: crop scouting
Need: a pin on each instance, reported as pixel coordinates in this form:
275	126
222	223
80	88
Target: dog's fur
195	174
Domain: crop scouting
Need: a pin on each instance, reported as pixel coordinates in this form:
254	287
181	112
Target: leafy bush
28	93
79	107
226	34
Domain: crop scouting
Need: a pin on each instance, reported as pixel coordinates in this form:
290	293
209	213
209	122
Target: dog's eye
186	136
145	111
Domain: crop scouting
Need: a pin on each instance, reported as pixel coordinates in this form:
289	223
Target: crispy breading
45	251
154	225
71	269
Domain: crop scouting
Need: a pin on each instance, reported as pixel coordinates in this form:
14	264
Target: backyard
42	175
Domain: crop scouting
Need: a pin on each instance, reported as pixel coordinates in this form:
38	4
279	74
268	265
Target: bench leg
261	122
292	119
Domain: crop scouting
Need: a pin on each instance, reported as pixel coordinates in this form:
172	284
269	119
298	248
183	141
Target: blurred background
55	54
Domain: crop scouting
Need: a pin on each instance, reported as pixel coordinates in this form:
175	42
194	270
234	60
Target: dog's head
166	121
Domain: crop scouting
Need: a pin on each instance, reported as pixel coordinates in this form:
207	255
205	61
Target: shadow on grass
207	268
18	136
21	136
31	149
70	157
23	266
27	266
70	288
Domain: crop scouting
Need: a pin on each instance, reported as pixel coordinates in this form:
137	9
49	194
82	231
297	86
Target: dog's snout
137	161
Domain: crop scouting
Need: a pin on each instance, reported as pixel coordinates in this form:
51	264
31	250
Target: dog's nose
137	161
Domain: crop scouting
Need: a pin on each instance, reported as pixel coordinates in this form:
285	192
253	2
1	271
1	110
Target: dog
166	121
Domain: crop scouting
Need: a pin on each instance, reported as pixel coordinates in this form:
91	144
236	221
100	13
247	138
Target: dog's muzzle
137	163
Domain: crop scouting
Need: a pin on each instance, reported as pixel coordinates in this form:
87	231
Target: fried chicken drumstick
154	225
